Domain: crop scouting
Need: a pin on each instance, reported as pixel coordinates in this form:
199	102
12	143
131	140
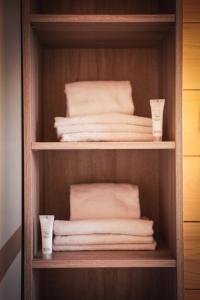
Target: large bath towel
150	246
107	137
101	239
65	129
110	118
104	201
137	227
96	97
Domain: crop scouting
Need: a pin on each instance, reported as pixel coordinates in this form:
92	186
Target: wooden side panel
191	74
192	255
167	196
191	11
191	188
179	155
191	123
192	294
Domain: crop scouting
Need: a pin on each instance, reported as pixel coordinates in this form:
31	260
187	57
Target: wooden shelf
107	259
101	30
102	145
145	18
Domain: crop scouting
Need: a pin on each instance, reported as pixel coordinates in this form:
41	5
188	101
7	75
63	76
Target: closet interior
66	41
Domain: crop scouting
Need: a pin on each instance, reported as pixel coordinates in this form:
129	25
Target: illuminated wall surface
191	112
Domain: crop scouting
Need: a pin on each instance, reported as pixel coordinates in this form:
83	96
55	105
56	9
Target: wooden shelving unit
66	41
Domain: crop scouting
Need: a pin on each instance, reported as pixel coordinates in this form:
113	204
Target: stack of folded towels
104	216
101	111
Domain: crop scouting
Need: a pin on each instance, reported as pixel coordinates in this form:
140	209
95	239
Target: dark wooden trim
9	252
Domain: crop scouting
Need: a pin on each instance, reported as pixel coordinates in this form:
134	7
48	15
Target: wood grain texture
108	284
191	11
192	274
27	130
191	188
177	162
101	145
142	19
192	255
191	62
192	294
192	240
104	7
101	30
108	259
101	36
191	123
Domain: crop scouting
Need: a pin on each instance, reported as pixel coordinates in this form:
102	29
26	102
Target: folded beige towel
140	247
104	201
136	227
101	239
107	137
96	97
63	129
104	119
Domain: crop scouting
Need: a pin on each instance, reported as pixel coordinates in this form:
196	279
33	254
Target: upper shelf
101	145
101	30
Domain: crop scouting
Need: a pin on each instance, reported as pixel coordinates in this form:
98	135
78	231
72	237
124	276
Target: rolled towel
107	137
97	97
101	239
104	201
151	246
64	129
104	119
136	227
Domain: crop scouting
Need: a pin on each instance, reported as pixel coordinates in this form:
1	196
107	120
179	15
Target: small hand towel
151	246
96	97
104	201
101	239
138	227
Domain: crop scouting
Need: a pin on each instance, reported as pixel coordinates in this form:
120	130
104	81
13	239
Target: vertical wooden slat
28	224
178	114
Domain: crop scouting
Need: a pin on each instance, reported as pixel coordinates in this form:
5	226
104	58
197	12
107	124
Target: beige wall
191	84
10	138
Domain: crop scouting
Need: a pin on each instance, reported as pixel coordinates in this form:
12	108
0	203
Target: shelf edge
148	18
47	264
102	145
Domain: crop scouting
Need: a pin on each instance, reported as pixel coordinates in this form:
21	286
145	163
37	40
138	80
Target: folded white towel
104	201
136	227
140	247
101	239
65	129
104	119
96	97
107	137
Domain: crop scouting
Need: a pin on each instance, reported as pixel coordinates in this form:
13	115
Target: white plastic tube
46	222
157	108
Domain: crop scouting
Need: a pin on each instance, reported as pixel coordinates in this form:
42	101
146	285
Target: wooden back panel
103	6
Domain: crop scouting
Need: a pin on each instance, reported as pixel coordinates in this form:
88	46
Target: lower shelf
106	259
